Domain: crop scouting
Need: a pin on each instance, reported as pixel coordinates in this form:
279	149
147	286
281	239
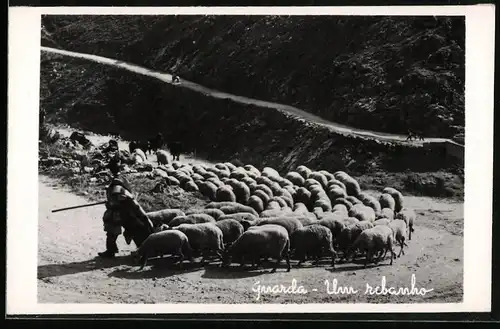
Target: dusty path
69	272
165	77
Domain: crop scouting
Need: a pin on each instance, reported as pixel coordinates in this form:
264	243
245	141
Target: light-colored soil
69	272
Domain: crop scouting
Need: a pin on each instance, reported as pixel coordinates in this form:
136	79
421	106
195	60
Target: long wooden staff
80	206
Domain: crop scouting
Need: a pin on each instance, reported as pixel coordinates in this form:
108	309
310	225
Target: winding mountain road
165	77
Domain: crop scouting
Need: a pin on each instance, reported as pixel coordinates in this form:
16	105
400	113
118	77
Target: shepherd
123	210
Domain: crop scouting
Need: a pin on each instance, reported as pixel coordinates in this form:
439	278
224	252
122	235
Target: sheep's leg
367	257
143	261
334	254
242	262
410	230
287	258
302	258
181	258
401	251
219	253
278	261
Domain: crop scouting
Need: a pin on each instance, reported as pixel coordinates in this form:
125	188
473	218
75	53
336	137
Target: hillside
378	73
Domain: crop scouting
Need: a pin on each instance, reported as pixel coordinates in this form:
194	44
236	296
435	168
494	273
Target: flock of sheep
256	215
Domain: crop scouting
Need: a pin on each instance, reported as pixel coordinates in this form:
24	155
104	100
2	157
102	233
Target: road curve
165	77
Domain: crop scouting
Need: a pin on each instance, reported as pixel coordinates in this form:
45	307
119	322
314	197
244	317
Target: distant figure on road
414	135
175	149
176	79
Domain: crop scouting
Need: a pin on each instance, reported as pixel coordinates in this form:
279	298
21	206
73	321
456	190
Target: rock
102	173
52	161
88	169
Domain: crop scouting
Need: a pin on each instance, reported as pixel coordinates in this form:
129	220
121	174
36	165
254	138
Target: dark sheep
312	241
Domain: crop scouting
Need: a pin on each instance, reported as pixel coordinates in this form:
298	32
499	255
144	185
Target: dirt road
165	77
68	271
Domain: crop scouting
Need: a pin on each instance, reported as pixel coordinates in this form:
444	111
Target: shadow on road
97	263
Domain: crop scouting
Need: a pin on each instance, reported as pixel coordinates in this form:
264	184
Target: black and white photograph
276	158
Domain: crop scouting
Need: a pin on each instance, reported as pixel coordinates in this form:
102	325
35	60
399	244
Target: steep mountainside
380	73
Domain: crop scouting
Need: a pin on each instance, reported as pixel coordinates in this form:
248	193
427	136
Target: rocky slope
379	73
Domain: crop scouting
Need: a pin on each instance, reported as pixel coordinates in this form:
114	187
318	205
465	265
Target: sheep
262	196
274	213
197	177
349	233
273	205
320	178
323	203
373	240
312	240
353	200
172	181
270	172
335	192
342	203
409	216
351	220
241	191
165	242
225	193
399	229
140	153
191	219
335	182
203	237
162	157
231	230
285	195
386	213
300	208
305	218
236	208
340	208
208	189
256	203
387	201
362	212
251	169
371	202
303	171
215	213
266	189
329	176
216	181
239	175
291	189
276	188
248	181
281	201
318	212
311	182
221	166
303	196
264	180
164	216
264	241
207	175
382	221
190	186
240	216
295	178
230	166
352	186
289	223
397	196
334	224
